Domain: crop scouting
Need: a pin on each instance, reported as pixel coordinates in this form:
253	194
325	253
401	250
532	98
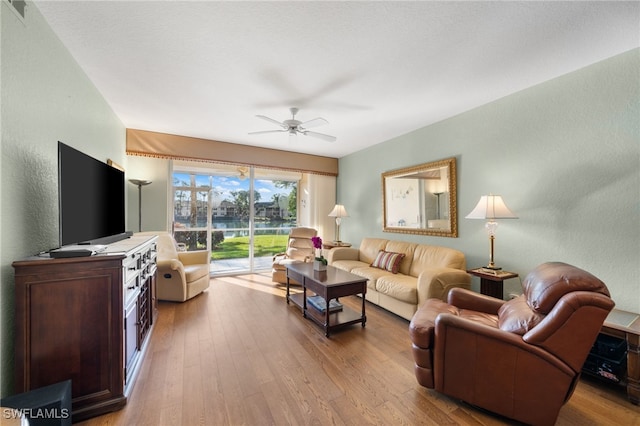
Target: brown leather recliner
519	358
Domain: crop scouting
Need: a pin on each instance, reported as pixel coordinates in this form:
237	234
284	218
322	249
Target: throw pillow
388	260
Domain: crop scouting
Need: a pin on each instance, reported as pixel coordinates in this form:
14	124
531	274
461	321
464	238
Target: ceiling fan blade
266	131
271	120
314	123
322	136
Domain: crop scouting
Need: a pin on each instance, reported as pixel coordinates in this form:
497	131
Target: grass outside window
238	247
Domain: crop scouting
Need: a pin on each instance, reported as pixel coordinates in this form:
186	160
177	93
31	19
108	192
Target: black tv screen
91	197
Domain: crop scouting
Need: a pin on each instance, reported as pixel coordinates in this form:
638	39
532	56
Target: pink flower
317	242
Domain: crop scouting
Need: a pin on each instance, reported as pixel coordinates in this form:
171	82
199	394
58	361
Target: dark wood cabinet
86	319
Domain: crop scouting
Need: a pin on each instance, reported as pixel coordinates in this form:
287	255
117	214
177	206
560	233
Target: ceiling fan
294	127
243	172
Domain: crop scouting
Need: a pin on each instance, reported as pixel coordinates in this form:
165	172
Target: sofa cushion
371	274
388	260
369	248
399	286
349	265
515	316
426	256
194	272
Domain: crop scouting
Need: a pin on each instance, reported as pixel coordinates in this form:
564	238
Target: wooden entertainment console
87	319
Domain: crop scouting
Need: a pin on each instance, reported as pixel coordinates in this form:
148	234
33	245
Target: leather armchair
181	274
520	358
299	249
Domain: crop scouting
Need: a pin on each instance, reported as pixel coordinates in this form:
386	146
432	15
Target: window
242	214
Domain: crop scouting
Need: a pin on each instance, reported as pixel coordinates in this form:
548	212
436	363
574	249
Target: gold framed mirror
421	199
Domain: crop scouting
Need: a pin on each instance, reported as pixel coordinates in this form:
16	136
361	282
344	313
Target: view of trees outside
220	212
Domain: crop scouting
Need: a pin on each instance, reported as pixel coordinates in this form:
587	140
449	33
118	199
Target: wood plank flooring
239	355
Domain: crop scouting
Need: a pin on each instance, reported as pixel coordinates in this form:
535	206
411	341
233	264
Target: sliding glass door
241	214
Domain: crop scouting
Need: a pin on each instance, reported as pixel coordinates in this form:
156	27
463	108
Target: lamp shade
338	211
491	207
140	182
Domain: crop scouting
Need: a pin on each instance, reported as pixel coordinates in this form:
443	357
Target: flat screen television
91	199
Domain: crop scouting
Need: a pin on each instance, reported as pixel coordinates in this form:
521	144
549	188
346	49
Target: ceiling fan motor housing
293	126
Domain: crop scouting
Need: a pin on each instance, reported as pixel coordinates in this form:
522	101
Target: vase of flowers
319	262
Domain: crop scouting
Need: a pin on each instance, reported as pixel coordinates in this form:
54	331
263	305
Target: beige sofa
425	272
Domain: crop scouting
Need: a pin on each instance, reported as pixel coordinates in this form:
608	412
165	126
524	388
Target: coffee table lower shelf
346	316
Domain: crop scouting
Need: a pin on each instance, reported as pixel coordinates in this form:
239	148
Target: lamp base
493	267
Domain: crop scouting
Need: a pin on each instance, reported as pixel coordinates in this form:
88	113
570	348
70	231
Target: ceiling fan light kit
294	127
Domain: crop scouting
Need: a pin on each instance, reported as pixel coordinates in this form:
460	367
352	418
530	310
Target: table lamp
491	207
338	212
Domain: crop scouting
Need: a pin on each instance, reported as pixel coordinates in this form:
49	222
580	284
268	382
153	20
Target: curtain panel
163	145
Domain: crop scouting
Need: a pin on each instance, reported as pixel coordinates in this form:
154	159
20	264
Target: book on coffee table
319	303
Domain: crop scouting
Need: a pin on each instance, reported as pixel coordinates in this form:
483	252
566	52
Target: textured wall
46	98
155	204
565	155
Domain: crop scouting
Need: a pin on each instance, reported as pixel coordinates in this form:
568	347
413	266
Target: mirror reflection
421	199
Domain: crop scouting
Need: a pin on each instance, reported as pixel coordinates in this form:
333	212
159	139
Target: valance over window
163	145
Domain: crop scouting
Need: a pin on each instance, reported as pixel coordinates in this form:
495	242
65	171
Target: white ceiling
374	70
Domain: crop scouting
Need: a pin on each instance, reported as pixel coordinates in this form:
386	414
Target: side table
333	244
492	281
626	325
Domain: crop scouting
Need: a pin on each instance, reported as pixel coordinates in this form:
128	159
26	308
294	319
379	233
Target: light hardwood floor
239	355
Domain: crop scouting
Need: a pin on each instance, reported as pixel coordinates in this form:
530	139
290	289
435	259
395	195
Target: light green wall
565	156
46	98
155	207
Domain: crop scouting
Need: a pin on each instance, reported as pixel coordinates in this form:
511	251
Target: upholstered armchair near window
299	249
181	274
520	358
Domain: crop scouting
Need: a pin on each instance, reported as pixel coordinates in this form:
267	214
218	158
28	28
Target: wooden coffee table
330	284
